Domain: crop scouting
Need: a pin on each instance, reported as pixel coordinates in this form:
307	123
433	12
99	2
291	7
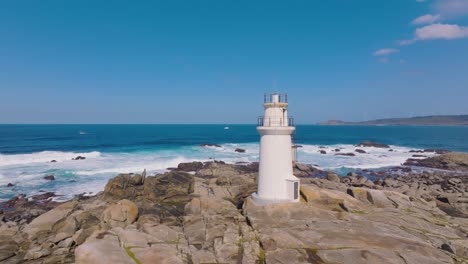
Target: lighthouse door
296	191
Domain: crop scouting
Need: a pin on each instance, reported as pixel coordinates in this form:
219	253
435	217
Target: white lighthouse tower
276	182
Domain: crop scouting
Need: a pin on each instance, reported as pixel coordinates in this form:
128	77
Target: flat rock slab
317	232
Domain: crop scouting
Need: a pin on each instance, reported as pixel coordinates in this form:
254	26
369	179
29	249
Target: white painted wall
275	177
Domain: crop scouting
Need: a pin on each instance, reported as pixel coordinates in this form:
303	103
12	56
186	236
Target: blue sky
211	61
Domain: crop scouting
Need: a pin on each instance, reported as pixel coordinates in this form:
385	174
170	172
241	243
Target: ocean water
26	150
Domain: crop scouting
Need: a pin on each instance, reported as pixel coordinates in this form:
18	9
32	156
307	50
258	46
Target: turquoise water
26	150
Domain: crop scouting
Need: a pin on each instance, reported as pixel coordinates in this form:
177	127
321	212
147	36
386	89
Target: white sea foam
373	158
44	156
89	176
150	163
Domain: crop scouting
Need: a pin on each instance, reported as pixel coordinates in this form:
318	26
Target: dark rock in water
345	154
360	151
53	161
322	147
437	151
10	184
390	150
372	144
190	166
337	150
418	156
380	173
411	162
296	146
43	196
49	178
322	152
210	145
239	150
79	158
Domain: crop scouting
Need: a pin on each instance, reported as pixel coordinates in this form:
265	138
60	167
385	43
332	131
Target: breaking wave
26	171
44	156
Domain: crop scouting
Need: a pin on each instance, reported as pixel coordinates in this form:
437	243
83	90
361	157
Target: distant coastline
441	120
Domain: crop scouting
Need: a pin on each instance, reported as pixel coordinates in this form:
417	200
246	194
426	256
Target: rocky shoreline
202	213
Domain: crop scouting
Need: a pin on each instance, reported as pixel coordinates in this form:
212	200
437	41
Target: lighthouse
276	182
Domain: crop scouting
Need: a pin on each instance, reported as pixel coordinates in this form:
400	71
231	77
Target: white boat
226	128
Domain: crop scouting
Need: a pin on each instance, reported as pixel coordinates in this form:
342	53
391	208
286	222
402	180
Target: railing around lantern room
275	121
268	98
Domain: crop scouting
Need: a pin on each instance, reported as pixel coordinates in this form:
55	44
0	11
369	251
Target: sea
26	151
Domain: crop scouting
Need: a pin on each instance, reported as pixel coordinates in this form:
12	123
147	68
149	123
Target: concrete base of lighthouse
264	201
276	182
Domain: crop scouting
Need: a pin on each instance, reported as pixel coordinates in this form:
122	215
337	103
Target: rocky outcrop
212	231
22	209
190	166
333	227
333	177
450	161
304	170
372	144
121	214
45	222
208	217
164	194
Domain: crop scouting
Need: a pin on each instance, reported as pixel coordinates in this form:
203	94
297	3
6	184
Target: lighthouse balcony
275	98
275	121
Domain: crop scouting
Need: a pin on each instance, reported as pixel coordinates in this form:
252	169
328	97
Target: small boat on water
226	128
82	132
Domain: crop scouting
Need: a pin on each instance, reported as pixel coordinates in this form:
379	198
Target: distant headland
441	120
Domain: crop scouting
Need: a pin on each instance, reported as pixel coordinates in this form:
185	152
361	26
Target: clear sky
211	61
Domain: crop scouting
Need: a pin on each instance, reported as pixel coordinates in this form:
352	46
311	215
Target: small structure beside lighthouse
276	182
